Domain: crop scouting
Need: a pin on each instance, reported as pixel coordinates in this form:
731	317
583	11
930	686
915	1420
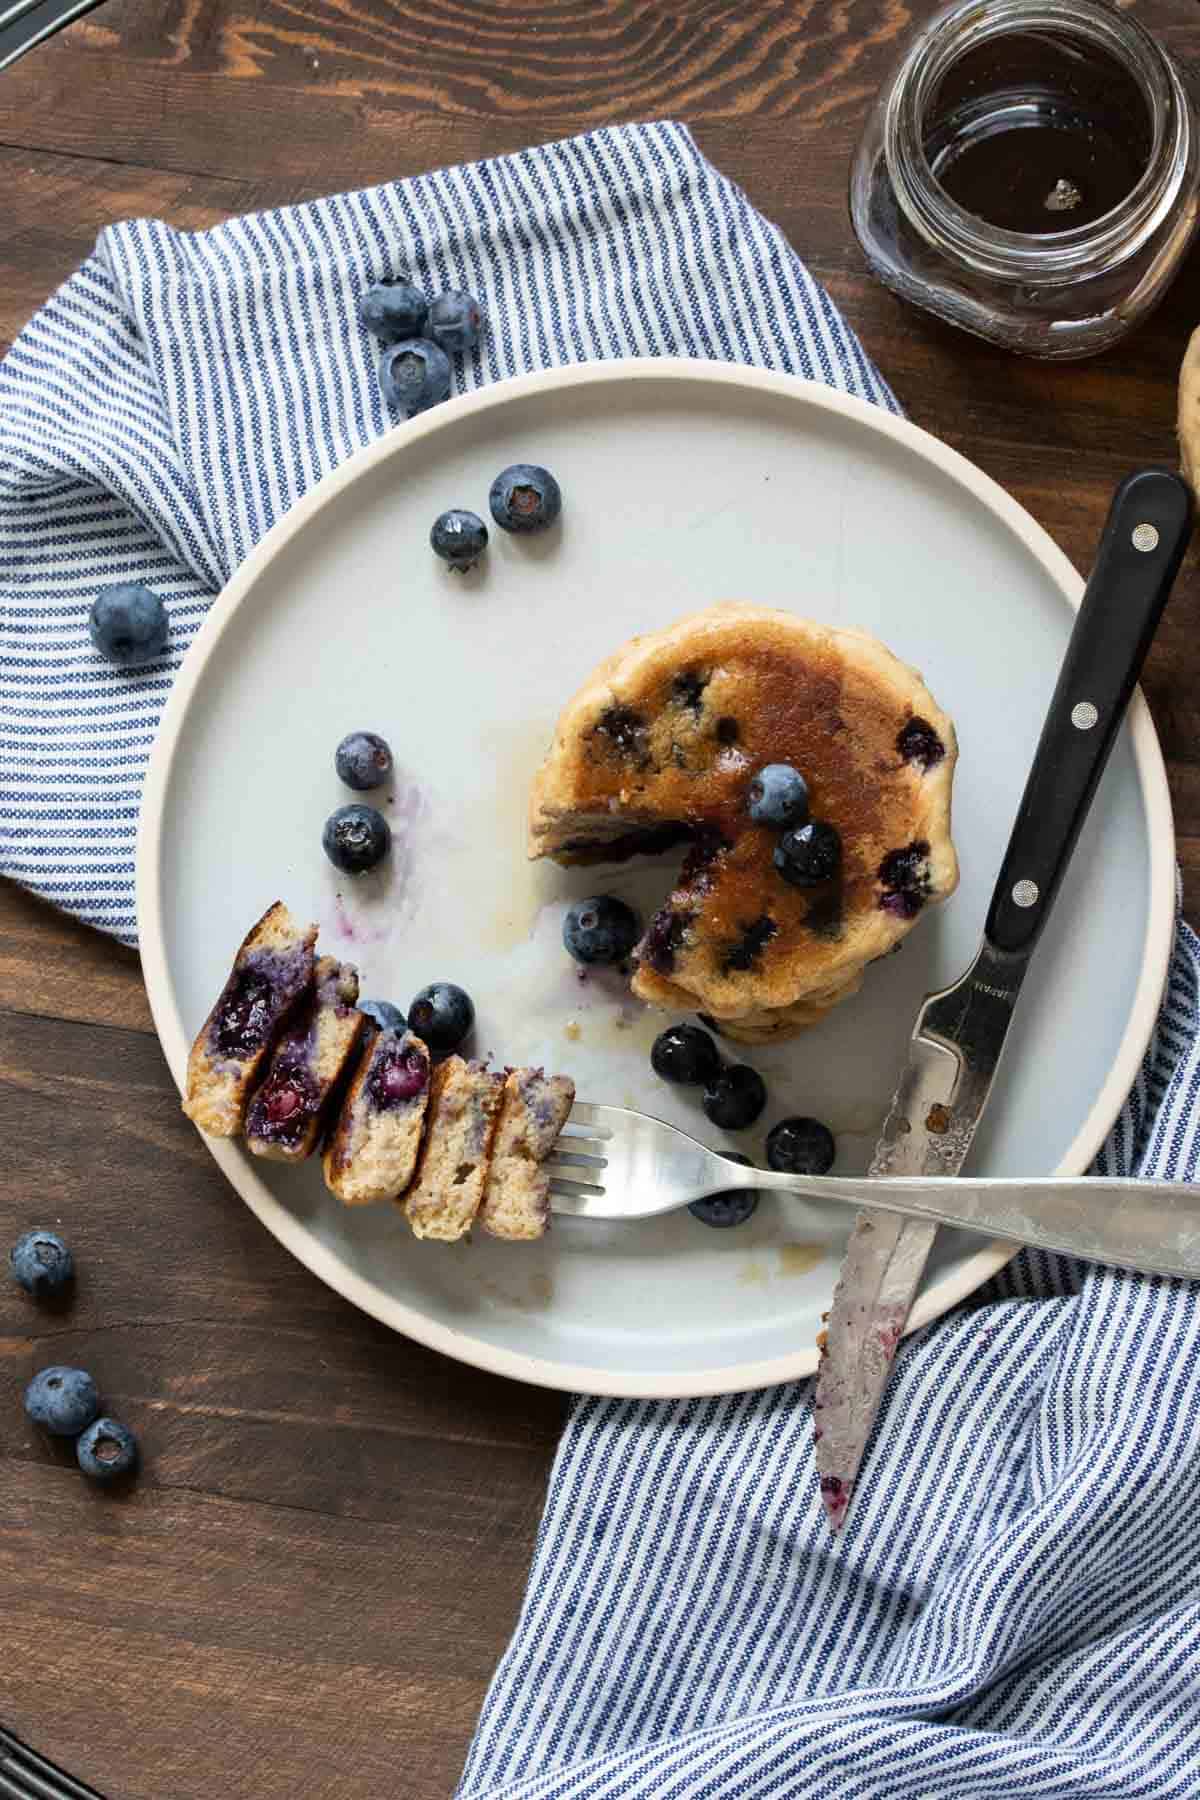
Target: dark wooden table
309	1587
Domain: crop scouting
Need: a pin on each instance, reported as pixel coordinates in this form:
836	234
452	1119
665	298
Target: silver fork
610	1163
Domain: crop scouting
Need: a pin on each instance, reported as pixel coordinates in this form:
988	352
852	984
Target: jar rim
1077	251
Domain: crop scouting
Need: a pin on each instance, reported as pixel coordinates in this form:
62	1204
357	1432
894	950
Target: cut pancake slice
311	1061
272	976
516	1199
464	1102
373	1150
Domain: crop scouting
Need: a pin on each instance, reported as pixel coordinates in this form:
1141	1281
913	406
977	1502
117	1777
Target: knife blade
960	1032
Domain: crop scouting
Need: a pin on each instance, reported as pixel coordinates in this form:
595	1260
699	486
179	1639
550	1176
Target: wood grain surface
307	1590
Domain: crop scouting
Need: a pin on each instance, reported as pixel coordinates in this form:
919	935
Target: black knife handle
1148	527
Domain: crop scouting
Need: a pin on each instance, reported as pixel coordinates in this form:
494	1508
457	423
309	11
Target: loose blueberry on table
809	855
735	1097
128	624
41	1263
600	930
685	1054
106	1450
414	375
455	321
394	311
459	537
525	497
383	1014
363	760
722	1211
441	1015
356	838
62	1400
801	1146
778	796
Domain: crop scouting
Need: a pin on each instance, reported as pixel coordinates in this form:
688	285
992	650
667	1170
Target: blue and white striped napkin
182	390
1014	1606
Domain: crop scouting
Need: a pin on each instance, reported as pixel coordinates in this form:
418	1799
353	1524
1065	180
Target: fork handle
1151	1226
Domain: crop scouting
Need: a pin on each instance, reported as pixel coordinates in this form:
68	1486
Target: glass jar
1030	172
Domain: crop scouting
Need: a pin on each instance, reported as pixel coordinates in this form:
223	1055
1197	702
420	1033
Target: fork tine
582	1143
567	1153
592	1117
574	1168
573	1190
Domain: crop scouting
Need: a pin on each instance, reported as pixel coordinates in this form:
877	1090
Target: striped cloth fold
1014	1607
183	390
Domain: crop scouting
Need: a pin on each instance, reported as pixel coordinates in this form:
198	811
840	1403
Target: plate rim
290	1231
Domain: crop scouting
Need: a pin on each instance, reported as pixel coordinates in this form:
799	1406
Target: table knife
960	1031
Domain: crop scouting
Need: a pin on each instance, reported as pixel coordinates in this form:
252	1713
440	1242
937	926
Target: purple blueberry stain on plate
357	915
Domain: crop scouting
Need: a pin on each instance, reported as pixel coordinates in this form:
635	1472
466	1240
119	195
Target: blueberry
363	760
800	1147
525	498
459	538
128	624
746	950
399	1071
778	796
735	1097
687	689
62	1401
394	311
415	375
625	728
723	1210
107	1449
441	1015
919	743
41	1262
455	321
810	855
905	878
685	1054
384	1014
601	929
356	838
666	935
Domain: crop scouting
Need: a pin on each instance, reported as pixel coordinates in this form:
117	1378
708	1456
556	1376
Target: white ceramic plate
684	483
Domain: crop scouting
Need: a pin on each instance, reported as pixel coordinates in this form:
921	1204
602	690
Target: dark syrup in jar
1037	135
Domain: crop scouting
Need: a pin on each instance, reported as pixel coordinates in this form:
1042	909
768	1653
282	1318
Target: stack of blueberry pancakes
773	920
